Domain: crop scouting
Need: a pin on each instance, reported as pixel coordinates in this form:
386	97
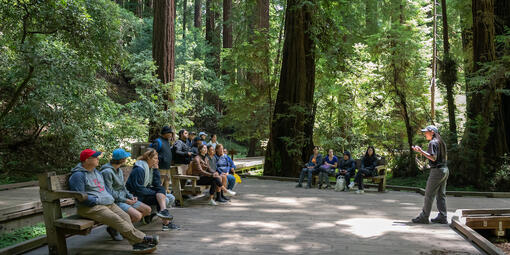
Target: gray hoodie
92	183
114	181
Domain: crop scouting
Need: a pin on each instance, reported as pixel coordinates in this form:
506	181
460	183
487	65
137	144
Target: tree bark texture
184	17
197	21
290	141
449	78
163	45
227	24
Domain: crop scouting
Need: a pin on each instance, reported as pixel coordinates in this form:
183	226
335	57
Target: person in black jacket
347	167
368	164
182	150
311	167
144	182
163	145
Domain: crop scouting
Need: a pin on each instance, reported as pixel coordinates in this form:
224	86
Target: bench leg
382	185
176	187
56	239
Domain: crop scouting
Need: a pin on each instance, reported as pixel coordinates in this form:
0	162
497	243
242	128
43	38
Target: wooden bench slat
74	224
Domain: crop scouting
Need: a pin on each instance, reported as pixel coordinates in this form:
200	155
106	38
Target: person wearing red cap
100	206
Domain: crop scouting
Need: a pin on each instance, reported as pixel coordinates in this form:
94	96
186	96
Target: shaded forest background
274	76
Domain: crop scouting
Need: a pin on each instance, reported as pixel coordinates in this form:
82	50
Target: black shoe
225	198
299	185
171	226
420	220
114	234
151	239
439	220
164	214
221	200
148	219
143	248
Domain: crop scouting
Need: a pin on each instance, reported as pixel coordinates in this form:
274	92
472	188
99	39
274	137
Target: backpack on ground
340	183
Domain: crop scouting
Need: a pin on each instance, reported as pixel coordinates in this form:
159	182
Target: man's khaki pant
114	217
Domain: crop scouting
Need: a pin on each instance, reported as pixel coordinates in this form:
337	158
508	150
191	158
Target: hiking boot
164	214
143	248
151	239
114	234
212	202
439	220
299	185
171	226
420	220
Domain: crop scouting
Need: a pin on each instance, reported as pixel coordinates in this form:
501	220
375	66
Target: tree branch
18	92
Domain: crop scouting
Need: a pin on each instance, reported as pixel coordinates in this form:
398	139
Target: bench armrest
58	194
186	177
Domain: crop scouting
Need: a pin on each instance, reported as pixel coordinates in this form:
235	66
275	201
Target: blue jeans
309	172
231	181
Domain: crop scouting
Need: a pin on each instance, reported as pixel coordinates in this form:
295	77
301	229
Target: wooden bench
54	189
180	184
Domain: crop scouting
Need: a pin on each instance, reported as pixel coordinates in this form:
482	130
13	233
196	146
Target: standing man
163	145
100	206
436	183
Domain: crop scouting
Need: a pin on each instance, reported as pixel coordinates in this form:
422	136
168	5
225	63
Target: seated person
329	164
114	180
100	206
211	157
203	136
311	167
200	167
191	139
346	167
213	141
233	169
368	164
145	183
225	168
194	147
182	150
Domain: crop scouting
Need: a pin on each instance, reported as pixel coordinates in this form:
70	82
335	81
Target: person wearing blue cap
202	136
436	183
114	181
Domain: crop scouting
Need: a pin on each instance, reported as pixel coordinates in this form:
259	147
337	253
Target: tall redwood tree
290	141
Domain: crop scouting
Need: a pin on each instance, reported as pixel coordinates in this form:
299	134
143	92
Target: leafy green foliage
22	234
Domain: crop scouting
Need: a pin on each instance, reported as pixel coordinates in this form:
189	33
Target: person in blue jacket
145	183
225	168
311	167
163	145
100	206
368	164
346	167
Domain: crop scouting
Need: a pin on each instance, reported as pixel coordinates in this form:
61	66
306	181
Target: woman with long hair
368	164
436	183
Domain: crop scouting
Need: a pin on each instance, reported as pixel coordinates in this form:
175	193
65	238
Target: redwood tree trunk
290	139
163	46
449	78
197	24
184	17
212	36
227	24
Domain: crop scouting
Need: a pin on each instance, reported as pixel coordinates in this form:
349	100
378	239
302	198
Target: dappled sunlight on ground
366	227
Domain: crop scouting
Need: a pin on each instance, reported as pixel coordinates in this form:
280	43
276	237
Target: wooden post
176	185
51	210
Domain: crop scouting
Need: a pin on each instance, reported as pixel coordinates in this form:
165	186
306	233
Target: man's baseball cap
120	153
166	130
87	153
430	128
202	133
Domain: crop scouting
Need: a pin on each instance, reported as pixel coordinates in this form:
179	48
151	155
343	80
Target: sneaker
439	220
299	185
164	214
360	191
230	193
171	226
148	219
114	234
212	202
151	239
351	185
420	220
143	248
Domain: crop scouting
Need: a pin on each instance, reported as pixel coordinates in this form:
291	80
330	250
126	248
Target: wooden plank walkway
272	217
